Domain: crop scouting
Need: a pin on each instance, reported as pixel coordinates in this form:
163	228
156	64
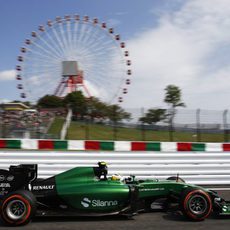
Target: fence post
87	128
114	124
225	124
171	123
142	124
198	134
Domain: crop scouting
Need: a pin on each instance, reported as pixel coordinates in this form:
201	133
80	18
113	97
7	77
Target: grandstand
18	120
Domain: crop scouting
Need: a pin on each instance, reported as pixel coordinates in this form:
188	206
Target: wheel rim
16	209
197	204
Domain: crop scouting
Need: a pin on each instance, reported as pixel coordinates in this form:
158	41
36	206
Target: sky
180	42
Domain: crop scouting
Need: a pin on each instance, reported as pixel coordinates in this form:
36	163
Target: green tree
153	116
77	102
115	113
50	101
173	99
173	96
96	109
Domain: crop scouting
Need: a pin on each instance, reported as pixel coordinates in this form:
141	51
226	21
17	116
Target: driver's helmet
116	177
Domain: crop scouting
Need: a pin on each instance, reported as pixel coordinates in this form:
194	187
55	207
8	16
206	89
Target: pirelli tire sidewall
26	202
189	204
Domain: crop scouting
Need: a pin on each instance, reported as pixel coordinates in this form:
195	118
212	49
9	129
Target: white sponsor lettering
2	177
4	185
151	189
104	203
10	178
86	202
43	187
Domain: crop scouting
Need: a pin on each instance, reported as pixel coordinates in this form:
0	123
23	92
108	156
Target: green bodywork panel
155	188
81	189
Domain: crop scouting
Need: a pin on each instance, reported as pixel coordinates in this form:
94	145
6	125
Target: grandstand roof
14	106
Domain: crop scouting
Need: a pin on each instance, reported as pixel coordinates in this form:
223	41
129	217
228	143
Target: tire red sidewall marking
25	201
188	196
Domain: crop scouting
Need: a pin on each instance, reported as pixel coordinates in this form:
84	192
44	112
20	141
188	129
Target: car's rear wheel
18	208
196	204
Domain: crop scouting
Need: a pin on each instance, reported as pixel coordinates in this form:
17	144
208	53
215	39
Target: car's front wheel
18	208
196	204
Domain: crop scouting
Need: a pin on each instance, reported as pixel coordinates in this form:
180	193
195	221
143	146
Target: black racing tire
195	204
18	208
178	179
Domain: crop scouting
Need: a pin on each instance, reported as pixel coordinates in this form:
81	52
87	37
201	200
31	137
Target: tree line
85	108
93	108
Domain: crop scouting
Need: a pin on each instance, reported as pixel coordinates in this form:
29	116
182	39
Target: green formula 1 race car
88	191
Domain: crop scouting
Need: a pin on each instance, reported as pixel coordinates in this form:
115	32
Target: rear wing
17	177
28	171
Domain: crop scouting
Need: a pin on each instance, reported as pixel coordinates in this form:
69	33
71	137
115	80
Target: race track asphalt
143	221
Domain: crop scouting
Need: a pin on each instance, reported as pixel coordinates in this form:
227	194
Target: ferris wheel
74	53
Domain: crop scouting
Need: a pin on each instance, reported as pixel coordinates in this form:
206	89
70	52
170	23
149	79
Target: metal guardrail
195	167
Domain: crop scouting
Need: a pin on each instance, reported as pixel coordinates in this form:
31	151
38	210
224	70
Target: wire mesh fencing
196	125
187	125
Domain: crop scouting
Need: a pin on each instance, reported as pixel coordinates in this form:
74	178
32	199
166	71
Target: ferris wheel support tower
72	80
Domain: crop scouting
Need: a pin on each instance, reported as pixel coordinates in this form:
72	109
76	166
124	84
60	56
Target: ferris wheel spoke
95	46
53	40
105	78
79	29
95	41
51	48
81	33
76	34
102	77
43	63
40	72
89	33
75	29
100	52
45	50
42	69
39	61
96	52
42	55
92	37
69	34
69	37
53	43
103	36
59	41
63	38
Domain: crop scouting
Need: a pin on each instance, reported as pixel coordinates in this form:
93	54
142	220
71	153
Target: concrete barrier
195	167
